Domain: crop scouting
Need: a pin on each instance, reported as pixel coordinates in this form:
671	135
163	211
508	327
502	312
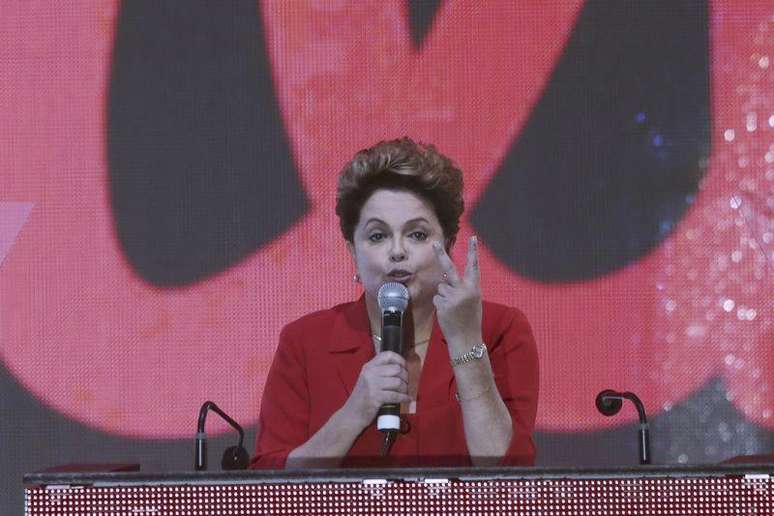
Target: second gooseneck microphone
393	299
235	457
609	403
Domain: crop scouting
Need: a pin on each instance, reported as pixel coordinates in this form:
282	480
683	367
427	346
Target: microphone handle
200	454
644	444
388	418
392	332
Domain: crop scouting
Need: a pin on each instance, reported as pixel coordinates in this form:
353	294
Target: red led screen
103	330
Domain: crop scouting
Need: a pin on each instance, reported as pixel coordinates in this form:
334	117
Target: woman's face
393	242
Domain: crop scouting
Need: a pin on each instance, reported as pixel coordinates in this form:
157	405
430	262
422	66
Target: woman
468	378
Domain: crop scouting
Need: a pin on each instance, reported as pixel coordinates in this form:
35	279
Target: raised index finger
471	266
446	264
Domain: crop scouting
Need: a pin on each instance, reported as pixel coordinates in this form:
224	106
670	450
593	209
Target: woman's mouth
400	275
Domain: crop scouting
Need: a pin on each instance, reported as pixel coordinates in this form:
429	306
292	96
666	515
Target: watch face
478	350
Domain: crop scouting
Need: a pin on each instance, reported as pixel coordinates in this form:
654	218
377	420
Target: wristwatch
476	353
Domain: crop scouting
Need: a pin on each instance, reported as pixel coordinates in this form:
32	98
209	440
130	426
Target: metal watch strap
476	353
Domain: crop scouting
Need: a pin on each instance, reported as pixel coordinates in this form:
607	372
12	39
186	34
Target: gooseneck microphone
235	457
393	299
609	403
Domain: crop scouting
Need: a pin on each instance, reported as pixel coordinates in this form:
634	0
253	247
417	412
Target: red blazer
318	362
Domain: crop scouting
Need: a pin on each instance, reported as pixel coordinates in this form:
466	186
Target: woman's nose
397	253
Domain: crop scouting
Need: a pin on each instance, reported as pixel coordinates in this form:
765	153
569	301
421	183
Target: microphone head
235	458
393	297
609	402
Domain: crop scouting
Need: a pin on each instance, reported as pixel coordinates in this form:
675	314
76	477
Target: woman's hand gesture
458	301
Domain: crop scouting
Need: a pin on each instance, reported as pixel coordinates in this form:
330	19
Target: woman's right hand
384	379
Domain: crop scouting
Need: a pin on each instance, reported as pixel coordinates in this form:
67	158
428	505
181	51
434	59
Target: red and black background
167	179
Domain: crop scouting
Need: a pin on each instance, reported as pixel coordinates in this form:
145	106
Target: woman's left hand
458	301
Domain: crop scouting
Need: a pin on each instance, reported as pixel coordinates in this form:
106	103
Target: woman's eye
419	235
376	237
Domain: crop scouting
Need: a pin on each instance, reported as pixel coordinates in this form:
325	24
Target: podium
654	490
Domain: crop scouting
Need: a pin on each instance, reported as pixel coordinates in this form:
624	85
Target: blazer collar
351	328
352	345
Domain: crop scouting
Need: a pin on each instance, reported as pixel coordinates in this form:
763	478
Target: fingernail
436	245
474	238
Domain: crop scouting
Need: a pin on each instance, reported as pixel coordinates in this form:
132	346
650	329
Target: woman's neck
417	321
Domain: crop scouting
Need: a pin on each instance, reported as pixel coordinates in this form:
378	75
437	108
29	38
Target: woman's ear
352	253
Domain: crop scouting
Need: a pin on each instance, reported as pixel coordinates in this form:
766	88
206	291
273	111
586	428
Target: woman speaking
467	380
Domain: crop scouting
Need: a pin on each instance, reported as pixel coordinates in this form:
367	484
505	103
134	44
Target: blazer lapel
437	375
352	346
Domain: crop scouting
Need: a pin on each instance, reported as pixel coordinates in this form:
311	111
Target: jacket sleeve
283	423
517	375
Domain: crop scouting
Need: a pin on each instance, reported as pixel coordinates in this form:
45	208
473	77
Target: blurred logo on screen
598	174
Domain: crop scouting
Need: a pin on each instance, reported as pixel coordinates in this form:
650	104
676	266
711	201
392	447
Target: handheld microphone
235	457
393	299
609	403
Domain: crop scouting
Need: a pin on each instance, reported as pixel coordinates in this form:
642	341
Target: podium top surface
393	474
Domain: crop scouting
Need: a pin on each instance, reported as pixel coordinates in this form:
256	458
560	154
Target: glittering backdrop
166	204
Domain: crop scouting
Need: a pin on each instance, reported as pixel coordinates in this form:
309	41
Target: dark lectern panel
654	491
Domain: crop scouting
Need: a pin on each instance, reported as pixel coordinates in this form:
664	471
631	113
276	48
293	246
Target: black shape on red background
201	171
421	14
613	151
